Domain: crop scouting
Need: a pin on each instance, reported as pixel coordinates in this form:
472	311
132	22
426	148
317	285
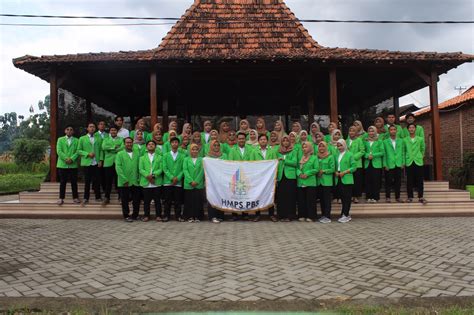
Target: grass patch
31	168
14	183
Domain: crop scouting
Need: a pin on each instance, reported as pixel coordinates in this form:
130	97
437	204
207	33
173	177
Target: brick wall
450	136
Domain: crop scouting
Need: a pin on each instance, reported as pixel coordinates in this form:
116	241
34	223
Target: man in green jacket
90	152
151	168
126	166
391	121
414	161
410	119
111	145
393	162
101	134
66	148
173	180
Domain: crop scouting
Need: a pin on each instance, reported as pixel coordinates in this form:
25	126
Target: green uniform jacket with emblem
287	165
193	173
414	150
328	166
257	154
98	136
235	154
110	148
394	157
419	132
357	148
347	164
377	152
173	168
310	168
85	147
139	149
146	168
65	151
127	168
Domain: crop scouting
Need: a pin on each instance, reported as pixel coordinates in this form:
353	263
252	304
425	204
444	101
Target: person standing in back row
414	156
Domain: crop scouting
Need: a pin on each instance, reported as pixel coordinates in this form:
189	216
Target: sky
19	90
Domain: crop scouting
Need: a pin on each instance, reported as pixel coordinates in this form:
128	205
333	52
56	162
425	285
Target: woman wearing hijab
318	138
293	136
184	146
140	125
274	141
360	132
214	135
187	130
296	128
379	124
253	138
313	130
244	127
230	143
331	127
215	152
356	146
193	171
335	136
196	139
167	144
224	129
345	167
279	129
374	152
326	175
206	133
286	186
261	128
139	146
308	167
157	137
172	126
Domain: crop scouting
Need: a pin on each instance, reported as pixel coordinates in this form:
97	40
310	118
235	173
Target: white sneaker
215	220
324	220
349	218
190	220
301	219
308	220
197	220
341	219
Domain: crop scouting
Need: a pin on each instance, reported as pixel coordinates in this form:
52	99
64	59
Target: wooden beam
53	128
153	99
425	77
164	110
333	95
396	106
435	126
310	99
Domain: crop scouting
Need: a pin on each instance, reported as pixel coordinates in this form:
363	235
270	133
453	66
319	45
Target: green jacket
146	135
203	138
110	148
287	165
145	168
419	132
101	140
347	163
139	149
235	154
193	173
85	147
399	131
225	148
394	157
357	148
377	152
310	168
173	168
414	150
66	151
258	156
126	168
328	166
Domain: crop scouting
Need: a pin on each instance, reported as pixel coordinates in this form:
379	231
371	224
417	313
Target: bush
28	151
13	168
463	175
14	183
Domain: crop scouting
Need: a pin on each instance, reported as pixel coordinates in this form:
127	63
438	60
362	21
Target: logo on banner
239	184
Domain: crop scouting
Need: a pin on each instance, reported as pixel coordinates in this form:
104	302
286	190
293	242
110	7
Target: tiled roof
246	30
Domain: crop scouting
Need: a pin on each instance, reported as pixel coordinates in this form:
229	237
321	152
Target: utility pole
460	89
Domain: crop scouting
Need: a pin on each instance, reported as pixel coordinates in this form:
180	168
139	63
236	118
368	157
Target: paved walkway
237	261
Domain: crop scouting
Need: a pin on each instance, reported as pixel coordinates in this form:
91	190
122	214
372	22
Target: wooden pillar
396	108
310	104
153	99
333	95
88	111
53	128
164	110
435	126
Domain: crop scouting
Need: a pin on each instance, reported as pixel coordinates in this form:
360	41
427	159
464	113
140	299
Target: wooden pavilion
235	57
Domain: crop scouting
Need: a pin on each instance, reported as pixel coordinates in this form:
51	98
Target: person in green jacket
101	135
382	132
391	120
331	127
139	143
206	133
215	152
90	151
157	137
126	166
325	180
197	140
150	169
345	168
308	167
172	126
230	143
410	119
414	155
374	152
66	149
193	171
262	153
357	148
110	147
286	185
167	144
140	126
393	163
173	180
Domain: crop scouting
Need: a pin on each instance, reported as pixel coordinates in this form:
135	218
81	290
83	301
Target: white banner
240	186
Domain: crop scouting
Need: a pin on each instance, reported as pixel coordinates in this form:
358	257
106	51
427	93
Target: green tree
28	151
8	130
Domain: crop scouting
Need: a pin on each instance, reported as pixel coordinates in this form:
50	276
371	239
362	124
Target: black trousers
173	195
92	174
66	174
345	192
110	178
325	200
134	193
358	183
214	213
372	182
306	202
102	178
415	178
193	204
150	194
393	180
286	198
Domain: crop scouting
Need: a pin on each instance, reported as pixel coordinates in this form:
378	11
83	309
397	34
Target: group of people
154	166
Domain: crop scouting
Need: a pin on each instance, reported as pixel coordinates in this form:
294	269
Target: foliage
14	183
464	175
27	151
30	168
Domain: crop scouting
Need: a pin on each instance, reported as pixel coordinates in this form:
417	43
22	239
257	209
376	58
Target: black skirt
286	198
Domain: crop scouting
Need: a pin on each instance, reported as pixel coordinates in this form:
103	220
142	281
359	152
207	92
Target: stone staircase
442	201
